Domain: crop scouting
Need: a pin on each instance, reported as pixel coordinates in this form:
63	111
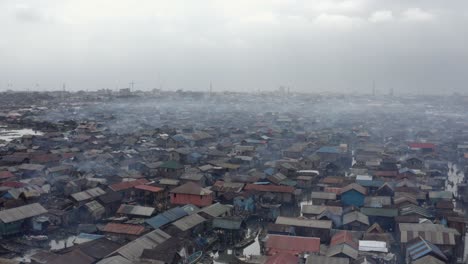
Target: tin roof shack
88	195
353	194
17	220
151	196
91	212
295	245
356	221
308	227
226	190
30	170
133	250
191	193
111	201
438	196
125	231
343	244
271	193
195	177
229	229
135	211
126	188
322	198
171	169
419	248
385	217
187	226
445	238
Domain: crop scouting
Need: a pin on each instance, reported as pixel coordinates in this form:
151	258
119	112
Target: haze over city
309	46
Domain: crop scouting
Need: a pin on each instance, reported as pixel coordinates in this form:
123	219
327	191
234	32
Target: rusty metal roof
124	229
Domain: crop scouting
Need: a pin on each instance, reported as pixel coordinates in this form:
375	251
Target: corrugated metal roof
22	212
422	247
95	207
385	212
355	216
227	223
149	188
323	195
166	217
354	186
127	184
312	223
88	194
414	209
135	210
279	243
342	249
313	259
216	210
434	233
124	229
343	237
372	246
312	209
133	250
188	222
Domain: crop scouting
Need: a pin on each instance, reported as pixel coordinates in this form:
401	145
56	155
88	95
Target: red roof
283	258
13	184
149	188
418	145
386	173
127	185
343	237
45	158
6	175
124	229
281	243
269	188
336	190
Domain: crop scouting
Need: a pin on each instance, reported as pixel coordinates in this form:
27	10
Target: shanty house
14	220
353	194
191	193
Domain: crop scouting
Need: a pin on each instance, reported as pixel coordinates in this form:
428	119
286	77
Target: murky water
10	134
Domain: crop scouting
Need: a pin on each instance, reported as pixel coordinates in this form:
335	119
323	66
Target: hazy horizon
310	46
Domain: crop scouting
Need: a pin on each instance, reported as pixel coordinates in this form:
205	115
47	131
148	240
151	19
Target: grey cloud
239	45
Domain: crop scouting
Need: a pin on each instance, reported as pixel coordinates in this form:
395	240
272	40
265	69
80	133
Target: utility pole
132	84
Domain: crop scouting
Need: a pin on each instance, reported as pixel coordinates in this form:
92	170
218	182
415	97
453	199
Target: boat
37	238
192	259
248	241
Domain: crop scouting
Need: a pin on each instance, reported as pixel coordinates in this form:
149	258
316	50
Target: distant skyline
412	46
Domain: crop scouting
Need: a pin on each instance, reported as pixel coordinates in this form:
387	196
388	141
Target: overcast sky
309	45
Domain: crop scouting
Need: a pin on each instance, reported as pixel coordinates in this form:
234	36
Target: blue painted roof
167	217
423	247
269	171
89	236
329	149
